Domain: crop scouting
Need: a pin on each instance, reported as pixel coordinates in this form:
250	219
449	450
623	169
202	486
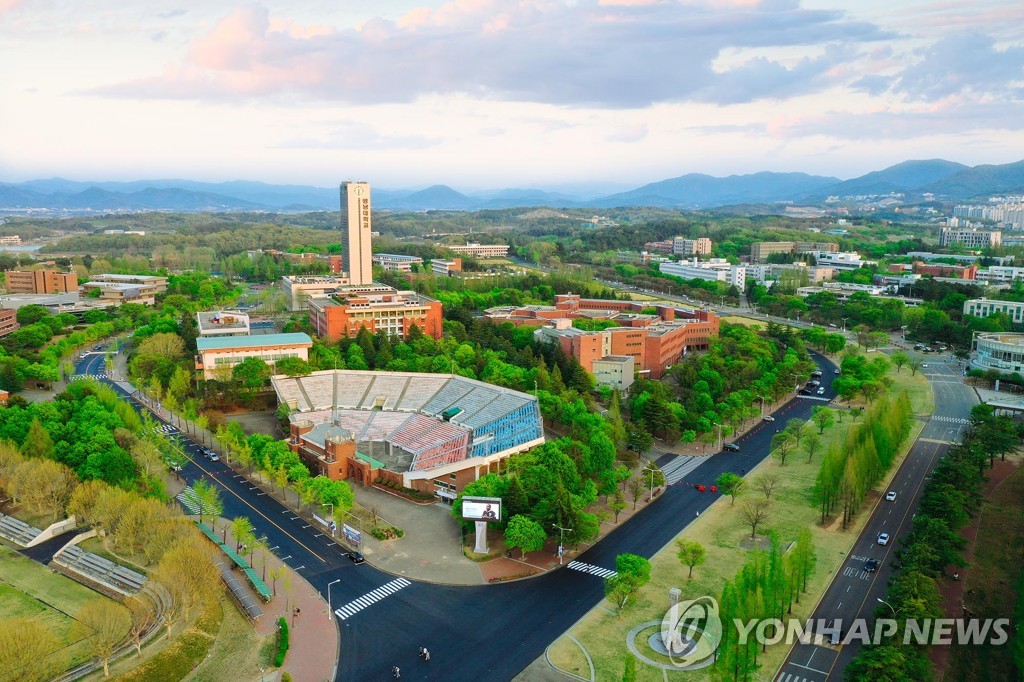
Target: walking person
395	672
426	654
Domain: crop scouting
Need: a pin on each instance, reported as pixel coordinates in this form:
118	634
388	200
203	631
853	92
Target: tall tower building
355	231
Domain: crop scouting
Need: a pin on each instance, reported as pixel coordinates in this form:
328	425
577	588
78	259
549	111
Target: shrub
282	641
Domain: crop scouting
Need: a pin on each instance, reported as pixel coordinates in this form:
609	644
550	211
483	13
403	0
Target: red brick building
8	322
343	314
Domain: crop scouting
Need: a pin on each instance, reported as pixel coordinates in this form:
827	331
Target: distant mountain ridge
944	179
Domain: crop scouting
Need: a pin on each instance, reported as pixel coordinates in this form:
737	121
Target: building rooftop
623	359
140	279
222	322
258	341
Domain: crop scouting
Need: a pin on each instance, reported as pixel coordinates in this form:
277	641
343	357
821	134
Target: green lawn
28	589
721	530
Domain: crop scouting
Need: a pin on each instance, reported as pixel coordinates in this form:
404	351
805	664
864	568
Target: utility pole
560	548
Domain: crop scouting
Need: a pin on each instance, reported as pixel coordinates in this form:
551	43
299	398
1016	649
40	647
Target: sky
503	93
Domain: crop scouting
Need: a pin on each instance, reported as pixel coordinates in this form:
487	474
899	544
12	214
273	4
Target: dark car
871	565
806	391
731	447
356	557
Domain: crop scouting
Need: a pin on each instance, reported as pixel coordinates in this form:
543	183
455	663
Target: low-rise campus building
481	250
376	307
1001	352
223	323
218	355
119	293
396	262
155	283
714	270
435	433
983	307
8	322
300	289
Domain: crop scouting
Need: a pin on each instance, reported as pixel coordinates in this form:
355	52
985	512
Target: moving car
355	557
871	565
883	538
700	487
821	390
731	447
890	496
837	371
924	365
768	418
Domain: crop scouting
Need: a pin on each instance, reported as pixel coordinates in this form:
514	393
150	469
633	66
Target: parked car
890	496
883	538
821	390
768	418
97	347
355	557
837	371
731	447
700	487
806	391
871	565
924	365
816	373
714	488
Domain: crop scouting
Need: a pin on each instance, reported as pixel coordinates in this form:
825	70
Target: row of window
234	360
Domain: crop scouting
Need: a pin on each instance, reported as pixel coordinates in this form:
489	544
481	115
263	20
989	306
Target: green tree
822	418
252	373
617	503
524	533
899	358
619	589
730	484
208	499
691	554
37	443
811	445
782	446
633	564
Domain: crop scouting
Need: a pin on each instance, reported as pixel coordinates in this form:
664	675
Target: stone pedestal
481	538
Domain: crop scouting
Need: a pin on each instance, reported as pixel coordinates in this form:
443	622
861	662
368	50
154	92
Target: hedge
282	641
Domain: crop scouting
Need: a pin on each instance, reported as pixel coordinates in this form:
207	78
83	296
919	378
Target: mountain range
943	180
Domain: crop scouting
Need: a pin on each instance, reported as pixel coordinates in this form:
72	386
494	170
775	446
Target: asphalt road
854	592
489	632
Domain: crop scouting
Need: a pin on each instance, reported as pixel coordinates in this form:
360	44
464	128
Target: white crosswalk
815	397
950	420
370	598
190	501
790	677
591	569
679	467
83	377
166	429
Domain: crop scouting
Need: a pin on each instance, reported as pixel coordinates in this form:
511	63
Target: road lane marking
371	598
591	569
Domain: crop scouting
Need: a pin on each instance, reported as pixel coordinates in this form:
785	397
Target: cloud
964	63
633	133
612	54
951	116
354	135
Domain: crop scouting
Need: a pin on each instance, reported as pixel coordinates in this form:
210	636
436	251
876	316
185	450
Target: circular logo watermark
691	631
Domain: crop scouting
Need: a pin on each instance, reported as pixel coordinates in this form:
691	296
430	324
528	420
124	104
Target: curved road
487	632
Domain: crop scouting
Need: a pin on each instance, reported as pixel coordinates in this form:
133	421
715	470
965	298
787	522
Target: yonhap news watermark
924	631
691	631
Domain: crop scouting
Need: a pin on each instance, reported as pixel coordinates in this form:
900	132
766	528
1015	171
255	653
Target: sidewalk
311	627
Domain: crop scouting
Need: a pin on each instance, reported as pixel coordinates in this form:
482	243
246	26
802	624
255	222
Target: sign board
353	535
319	520
481	508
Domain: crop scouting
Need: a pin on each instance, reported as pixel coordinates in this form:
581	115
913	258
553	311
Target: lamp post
331	505
330	609
796	384
560	549
882	601
762	404
719	427
844	324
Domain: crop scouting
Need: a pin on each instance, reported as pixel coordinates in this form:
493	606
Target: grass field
721	530
30	590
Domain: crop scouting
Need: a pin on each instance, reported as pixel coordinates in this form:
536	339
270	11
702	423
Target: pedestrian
421	652
426	654
395	672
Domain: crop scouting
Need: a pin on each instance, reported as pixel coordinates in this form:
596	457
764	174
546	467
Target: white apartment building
769	272
614	370
446	268
716	269
999	274
983	307
481	250
971	238
843	260
396	261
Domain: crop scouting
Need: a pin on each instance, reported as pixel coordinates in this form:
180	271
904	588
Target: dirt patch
256	422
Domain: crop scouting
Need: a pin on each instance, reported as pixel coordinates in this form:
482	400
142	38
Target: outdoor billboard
481	508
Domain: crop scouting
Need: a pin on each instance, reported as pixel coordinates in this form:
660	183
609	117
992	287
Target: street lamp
796	384
330	610
560	549
844	324
882	601
719	427
762	404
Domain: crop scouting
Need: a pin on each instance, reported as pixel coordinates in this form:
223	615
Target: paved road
854	591
489	632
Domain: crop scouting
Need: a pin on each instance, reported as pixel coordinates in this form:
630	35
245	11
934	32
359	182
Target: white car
890	496
924	366
883	538
768	418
